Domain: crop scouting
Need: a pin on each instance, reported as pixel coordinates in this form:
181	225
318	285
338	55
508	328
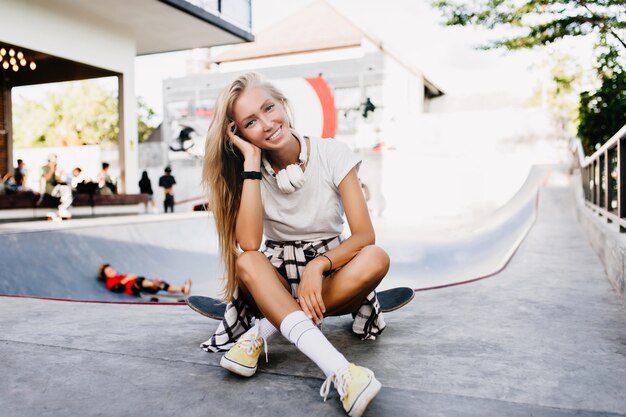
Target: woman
145	187
264	178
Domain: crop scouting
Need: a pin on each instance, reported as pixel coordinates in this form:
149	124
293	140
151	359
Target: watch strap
251	175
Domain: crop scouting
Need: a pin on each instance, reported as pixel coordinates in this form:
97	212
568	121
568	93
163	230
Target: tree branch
605	27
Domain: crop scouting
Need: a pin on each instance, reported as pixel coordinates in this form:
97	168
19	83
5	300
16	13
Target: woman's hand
310	292
248	150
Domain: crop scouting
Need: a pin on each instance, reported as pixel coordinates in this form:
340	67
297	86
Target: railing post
601	181
583	177
588	182
621	175
608	175
598	182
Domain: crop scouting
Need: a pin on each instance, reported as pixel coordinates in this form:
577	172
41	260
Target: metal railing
604	179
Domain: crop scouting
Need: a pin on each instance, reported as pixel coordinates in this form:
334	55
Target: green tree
602	112
80	113
538	22
535	23
146	120
561	94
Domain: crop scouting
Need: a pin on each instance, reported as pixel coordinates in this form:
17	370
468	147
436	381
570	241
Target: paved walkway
546	337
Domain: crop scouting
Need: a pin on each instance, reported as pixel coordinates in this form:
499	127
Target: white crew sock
301	331
267	329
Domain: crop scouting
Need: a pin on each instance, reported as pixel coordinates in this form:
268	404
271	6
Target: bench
28	204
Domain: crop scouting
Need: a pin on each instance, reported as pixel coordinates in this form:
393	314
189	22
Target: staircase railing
604	179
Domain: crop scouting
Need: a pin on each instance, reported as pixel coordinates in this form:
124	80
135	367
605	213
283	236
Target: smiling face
261	118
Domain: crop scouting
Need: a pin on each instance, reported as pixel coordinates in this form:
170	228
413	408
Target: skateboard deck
166	297
390	300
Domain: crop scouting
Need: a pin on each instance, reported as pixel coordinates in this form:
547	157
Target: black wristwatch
251	175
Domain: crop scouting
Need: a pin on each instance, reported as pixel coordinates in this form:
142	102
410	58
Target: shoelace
340	378
253	341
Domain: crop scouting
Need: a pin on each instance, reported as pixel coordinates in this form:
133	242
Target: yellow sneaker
242	358
357	386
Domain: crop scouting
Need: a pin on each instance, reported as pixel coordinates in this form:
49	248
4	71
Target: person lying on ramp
131	284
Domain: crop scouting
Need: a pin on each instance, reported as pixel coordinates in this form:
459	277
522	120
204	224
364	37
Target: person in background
131	284
21	176
145	187
52	183
81	184
167	181
105	182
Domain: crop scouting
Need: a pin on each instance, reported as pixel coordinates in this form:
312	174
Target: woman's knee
247	263
377	261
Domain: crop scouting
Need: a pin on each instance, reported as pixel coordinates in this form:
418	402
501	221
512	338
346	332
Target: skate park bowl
468	253
60	260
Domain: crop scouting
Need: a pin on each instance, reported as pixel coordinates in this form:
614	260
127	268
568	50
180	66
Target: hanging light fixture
15	60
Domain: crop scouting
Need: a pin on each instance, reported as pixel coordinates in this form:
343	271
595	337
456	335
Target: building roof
159	25
314	28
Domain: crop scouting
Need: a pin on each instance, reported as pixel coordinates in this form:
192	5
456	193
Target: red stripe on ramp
327	101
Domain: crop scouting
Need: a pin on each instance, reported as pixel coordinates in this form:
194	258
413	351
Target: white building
317	41
75	39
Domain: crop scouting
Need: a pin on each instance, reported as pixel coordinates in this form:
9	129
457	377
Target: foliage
79	113
541	22
561	94
603	112
146	120
537	22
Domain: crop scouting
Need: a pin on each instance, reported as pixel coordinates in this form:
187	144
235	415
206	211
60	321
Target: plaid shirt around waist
368	319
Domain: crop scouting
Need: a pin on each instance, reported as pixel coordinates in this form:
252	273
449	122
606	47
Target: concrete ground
545	337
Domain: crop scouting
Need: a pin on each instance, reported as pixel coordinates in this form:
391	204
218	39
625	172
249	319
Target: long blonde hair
222	166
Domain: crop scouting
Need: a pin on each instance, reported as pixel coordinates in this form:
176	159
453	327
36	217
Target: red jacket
115	284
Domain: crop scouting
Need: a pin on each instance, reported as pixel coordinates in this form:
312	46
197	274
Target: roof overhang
160	25
50	69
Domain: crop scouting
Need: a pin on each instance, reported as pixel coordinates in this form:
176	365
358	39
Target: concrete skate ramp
60	260
439	259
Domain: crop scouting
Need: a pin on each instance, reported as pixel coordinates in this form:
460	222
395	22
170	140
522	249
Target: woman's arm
249	222
359	221
310	288
127	278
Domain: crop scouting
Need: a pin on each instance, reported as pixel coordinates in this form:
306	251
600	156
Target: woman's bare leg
344	291
249	299
266	286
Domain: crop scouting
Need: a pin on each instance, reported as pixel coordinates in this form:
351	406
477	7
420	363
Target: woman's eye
270	107
248	124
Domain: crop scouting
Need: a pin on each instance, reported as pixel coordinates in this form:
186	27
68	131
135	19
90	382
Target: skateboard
165	297
390	300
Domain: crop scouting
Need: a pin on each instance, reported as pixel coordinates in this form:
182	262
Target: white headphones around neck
290	178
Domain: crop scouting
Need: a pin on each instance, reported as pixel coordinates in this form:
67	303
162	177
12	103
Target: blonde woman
264	178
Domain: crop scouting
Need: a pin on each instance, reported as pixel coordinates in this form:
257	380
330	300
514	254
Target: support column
5	147
127	141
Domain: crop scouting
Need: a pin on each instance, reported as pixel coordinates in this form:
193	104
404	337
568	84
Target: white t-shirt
314	211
